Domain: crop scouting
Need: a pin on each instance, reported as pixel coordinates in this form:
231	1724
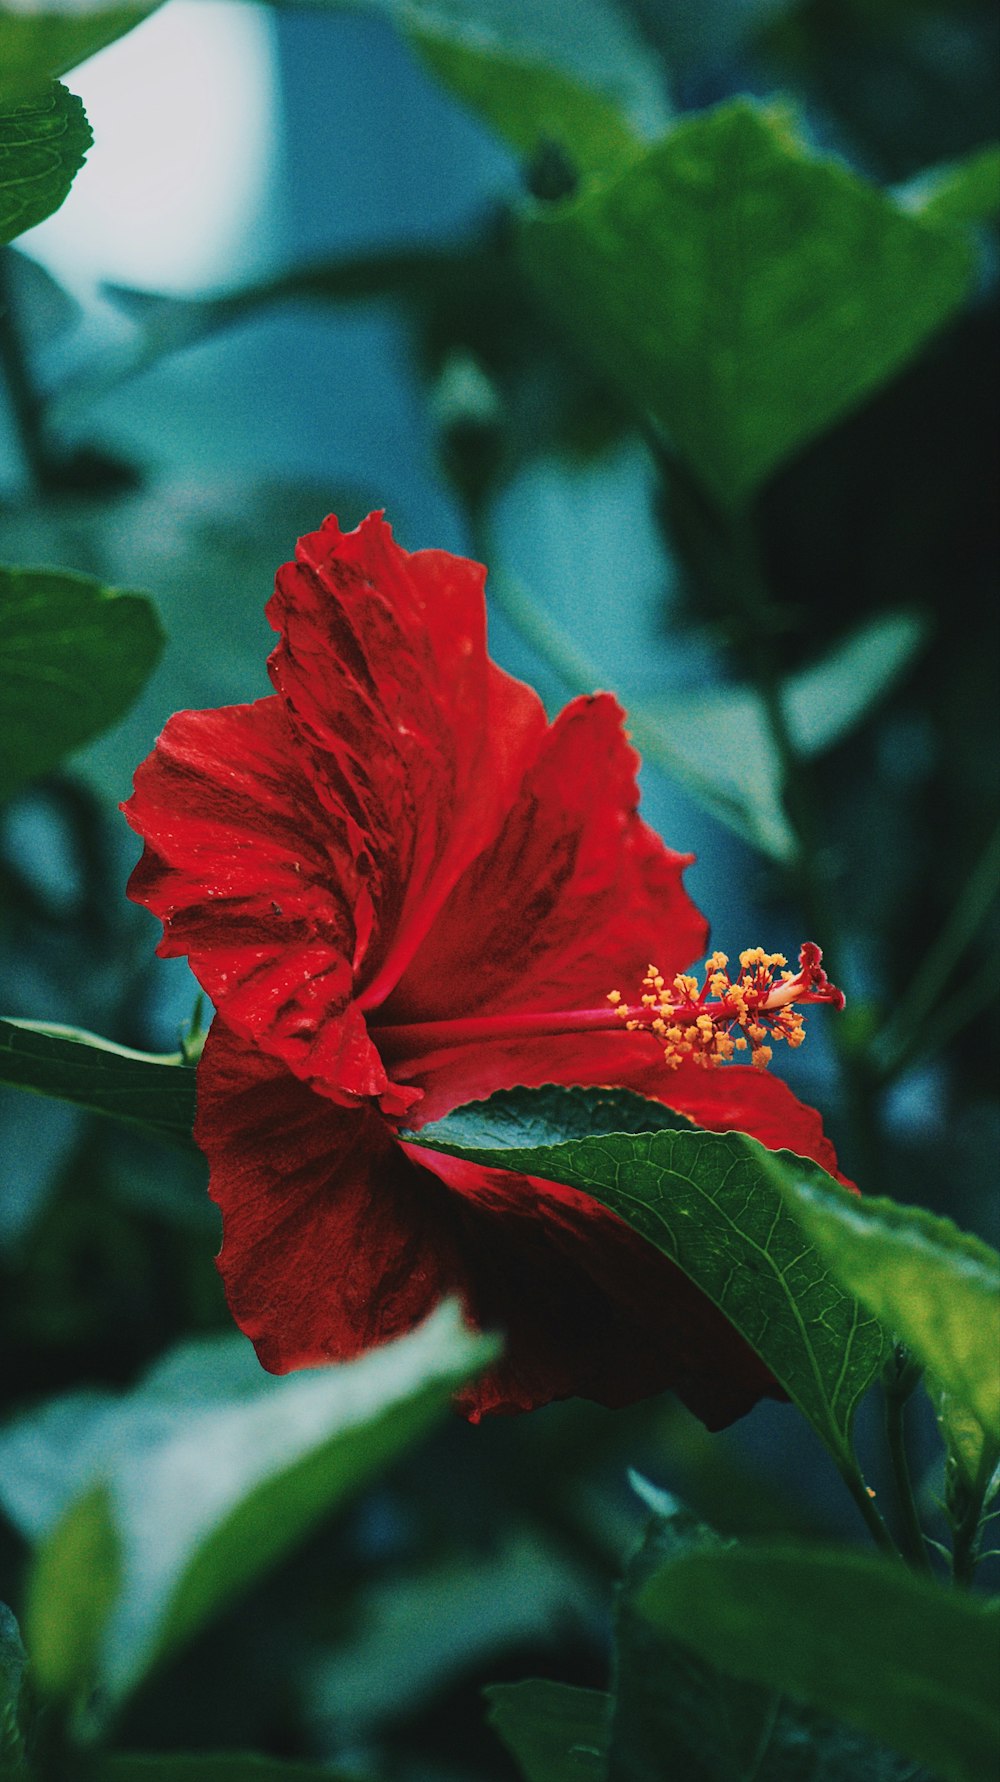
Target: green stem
872	1518
912	1544
906	1033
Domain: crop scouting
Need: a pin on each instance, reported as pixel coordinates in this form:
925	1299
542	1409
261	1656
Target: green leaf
714	1204
937	1287
13	1664
718	743
554	1731
742	291
43	145
73	657
966	191
905	1660
71	1591
215	1469
141	1089
39	43
228	1766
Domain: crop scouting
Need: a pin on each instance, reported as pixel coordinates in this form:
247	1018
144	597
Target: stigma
726	1015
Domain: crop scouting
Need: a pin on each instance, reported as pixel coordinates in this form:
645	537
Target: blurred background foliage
292	278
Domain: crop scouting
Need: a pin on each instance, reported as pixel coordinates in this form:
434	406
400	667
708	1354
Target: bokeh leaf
13	1664
718	742
211	1766
555	1732
215	1469
965	191
713	1203
41	42
743	292
905	1660
141	1089
43	145
936	1286
74	656
71	1591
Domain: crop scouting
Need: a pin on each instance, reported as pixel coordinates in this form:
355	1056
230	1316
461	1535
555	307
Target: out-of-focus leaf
74	656
43	145
936	1286
553	1731
72	1588
718	742
134	1088
966	191
714	1204
39	42
905	1660
212	1766
215	1469
13	1664
974	1454
743	292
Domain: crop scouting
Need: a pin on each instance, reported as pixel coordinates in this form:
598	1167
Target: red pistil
709	1024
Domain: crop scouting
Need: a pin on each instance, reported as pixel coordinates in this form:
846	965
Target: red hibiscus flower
404	889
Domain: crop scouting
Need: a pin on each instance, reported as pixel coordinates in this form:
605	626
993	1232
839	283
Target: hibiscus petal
408	729
253	882
335	1240
574	897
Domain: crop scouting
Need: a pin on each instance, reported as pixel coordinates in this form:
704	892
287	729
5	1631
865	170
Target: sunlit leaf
72	1588
743	292
936	1286
908	1661
43	145
554	1731
966	191
714	1204
214	1469
74	656
40	42
141	1089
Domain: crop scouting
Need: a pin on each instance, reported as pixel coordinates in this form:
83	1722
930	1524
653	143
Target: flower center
709	1024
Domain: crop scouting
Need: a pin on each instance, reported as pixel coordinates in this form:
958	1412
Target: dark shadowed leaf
214	1766
905	1660
43	145
714	1204
133	1088
938	1287
742	291
553	1731
13	1664
74	655
39	44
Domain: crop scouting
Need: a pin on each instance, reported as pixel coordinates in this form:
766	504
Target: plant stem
25	404
912	1543
866	1504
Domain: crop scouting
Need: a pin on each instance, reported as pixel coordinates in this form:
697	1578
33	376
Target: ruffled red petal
259	888
407	728
335	1240
573	895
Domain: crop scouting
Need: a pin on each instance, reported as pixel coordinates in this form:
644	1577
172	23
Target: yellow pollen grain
660	1027
740	1044
762	1056
614	996
685	986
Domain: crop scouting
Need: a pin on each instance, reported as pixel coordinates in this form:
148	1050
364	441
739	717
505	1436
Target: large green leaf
134	1088
960	192
938	1287
906	1661
714	1204
73	657
71	1592
719	744
742	291
43	145
554	1731
214	1469
39	43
